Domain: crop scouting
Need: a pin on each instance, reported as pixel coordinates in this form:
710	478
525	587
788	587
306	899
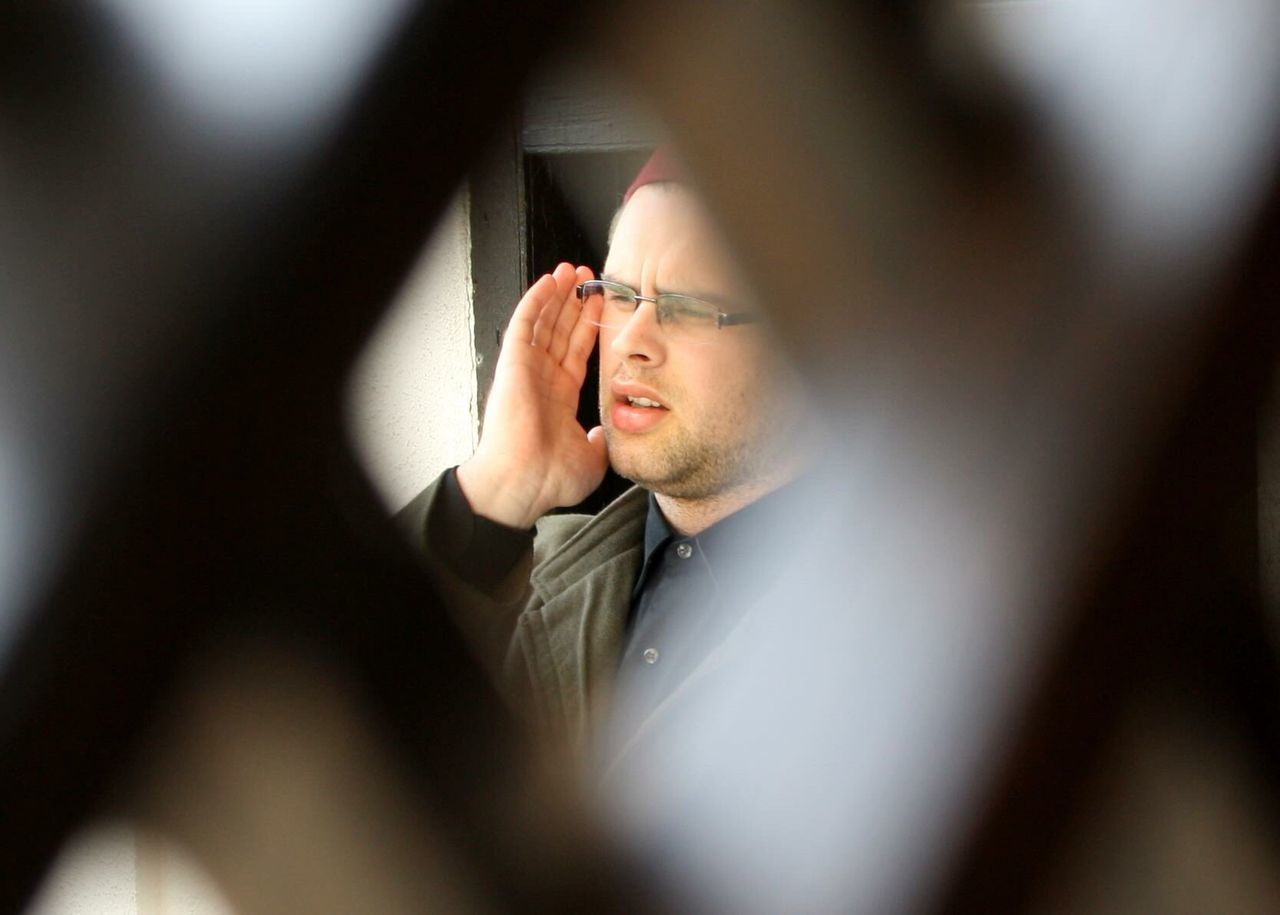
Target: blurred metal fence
1042	340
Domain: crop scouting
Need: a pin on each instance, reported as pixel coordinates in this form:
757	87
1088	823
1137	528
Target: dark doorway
570	200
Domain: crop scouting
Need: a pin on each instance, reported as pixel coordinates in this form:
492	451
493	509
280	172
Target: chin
671	467
628	469
666	480
630	466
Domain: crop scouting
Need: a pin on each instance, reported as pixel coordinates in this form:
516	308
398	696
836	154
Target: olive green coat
552	630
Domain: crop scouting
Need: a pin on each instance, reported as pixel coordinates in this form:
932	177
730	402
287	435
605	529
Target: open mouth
635	410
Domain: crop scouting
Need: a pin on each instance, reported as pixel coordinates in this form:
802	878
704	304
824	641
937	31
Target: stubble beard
680	464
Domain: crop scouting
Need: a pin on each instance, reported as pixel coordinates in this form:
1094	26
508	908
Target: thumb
595	438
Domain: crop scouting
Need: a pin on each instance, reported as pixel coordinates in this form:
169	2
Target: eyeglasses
680	316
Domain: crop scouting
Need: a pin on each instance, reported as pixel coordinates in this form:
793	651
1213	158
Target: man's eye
619	299
689	311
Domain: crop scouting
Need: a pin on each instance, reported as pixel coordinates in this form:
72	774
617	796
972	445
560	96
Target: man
697	408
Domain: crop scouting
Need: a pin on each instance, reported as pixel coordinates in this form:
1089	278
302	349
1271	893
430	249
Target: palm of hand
533	453
535	402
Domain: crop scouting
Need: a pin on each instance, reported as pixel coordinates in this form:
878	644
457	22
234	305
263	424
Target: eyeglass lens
678	315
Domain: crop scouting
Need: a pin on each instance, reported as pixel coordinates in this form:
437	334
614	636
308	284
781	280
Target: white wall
109	870
95	875
413	396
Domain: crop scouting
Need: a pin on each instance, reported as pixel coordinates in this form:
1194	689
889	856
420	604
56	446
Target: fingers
568	319
552	318
559	295
582	337
525	317
570	316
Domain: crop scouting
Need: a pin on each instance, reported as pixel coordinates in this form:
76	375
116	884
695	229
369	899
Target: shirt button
651	656
684	550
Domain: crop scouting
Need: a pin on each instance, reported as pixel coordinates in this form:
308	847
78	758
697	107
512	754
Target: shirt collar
658	532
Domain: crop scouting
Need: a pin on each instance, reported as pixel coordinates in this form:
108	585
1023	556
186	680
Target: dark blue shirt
690	594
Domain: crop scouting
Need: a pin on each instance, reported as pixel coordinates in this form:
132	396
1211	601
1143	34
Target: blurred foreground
1025	255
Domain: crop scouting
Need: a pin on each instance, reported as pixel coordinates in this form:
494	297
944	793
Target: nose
641	339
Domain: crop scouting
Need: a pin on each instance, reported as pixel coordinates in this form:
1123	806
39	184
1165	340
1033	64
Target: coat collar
619	525
578	626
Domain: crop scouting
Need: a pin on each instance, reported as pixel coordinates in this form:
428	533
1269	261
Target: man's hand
533	454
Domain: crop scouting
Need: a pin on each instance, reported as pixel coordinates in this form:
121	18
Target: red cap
663	165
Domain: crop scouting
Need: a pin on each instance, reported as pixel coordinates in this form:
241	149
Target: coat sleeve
482	570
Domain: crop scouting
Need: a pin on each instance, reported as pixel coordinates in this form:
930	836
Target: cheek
740	387
608	361
719	390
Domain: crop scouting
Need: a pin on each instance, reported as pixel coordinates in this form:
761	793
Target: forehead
666	239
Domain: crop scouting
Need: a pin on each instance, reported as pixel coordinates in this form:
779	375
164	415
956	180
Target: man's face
728	408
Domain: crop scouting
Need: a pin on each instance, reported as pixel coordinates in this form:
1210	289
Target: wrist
497	496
